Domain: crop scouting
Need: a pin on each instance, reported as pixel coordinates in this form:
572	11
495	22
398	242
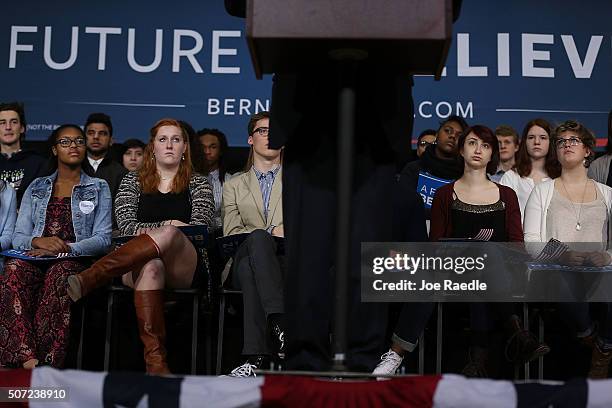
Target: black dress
157	207
469	219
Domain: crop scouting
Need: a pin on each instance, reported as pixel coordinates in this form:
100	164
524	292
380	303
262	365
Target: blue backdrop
140	61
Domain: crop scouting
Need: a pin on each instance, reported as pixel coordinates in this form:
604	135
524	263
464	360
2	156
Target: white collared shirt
94	163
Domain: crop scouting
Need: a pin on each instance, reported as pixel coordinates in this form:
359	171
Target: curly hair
584	134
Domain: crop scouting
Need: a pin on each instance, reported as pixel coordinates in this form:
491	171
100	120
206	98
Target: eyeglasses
426	143
573	141
65	142
452	131
262	131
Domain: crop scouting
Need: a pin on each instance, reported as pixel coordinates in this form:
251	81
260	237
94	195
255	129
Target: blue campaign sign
141	61
427	185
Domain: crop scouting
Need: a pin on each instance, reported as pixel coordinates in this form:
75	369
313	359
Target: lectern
285	36
402	37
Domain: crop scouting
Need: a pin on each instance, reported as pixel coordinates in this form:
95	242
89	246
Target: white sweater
536	211
522	186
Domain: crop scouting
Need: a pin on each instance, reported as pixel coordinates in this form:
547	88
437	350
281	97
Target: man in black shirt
17	167
99	134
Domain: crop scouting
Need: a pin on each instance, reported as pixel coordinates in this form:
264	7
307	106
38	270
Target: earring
183	157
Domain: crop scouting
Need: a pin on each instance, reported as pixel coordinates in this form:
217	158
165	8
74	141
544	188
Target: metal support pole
346	130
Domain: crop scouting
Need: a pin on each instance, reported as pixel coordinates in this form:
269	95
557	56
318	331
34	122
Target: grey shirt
598	170
563	215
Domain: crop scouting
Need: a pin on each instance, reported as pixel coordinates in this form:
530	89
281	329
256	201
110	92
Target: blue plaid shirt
266	180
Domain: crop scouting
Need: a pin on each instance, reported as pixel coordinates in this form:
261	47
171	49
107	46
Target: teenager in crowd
508	141
252	204
99	163
426	138
460	210
133	153
66	212
151	204
536	161
18	166
440	159
573	208
212	146
439	164
599	170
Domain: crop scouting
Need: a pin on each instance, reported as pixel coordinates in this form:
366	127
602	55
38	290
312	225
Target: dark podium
402	37
411	36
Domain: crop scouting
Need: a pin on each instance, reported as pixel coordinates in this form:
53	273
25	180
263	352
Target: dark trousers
257	272
304	118
310	247
410	324
578	317
483	318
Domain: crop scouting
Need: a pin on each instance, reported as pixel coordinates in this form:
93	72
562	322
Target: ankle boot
130	256
149	306
600	362
522	346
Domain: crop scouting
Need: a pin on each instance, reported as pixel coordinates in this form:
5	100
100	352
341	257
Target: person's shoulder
602	160
505	190
237	178
130	180
445	190
544	186
6	188
198	179
603	188
510	175
116	166
412	167
29	155
87	178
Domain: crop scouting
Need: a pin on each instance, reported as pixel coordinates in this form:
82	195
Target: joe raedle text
405	285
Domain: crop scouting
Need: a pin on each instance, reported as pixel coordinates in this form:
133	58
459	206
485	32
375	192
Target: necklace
578	226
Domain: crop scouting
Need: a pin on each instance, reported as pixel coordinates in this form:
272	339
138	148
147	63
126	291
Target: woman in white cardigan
573	208
536	161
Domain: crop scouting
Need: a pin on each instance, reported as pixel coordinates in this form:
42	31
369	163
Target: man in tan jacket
252	205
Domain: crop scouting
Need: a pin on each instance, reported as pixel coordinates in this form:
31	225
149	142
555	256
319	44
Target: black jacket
450	169
108	170
21	169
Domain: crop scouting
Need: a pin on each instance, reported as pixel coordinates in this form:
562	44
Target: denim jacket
91	214
8	215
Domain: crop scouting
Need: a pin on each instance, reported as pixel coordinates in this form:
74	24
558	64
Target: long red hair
149	177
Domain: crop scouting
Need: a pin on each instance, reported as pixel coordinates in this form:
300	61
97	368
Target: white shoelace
388	360
245	370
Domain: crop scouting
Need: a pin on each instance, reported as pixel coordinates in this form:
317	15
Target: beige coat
243	204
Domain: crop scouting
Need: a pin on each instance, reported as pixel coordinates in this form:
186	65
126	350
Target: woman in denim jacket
68	213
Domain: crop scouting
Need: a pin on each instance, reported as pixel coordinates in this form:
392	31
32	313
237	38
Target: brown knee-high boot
130	256
149	306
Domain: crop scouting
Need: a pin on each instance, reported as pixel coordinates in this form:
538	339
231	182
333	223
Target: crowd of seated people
63	210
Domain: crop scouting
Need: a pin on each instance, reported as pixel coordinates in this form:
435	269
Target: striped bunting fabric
101	390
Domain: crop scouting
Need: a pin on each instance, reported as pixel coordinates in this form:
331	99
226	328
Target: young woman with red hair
151	204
